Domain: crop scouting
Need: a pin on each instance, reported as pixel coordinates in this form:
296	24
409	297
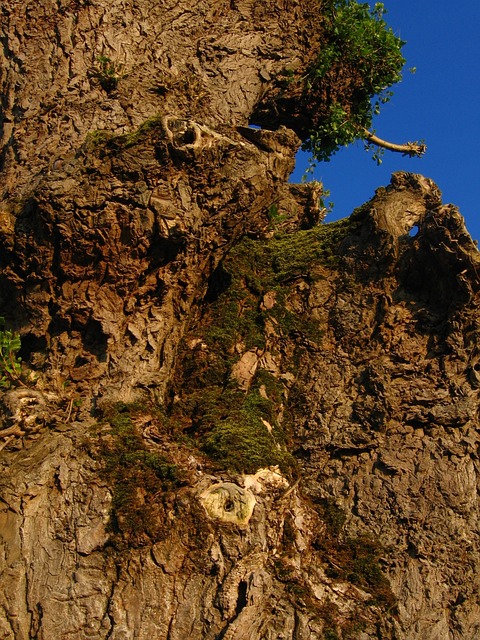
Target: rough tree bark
168	283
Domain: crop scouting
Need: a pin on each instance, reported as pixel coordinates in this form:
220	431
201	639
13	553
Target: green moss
10	362
232	432
255	268
235	314
140	478
95	140
300	253
108	73
218	417
273	387
130	139
356	560
242	444
333	516
364	570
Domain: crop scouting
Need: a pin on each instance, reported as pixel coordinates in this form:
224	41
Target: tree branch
14	430
409	149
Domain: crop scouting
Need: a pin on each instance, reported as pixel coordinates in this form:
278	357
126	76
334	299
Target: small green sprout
10	363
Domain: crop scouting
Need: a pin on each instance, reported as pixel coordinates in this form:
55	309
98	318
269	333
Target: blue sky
439	103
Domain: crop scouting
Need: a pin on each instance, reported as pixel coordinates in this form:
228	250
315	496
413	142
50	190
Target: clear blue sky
439	103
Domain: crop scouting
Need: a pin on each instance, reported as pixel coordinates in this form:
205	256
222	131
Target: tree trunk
234	422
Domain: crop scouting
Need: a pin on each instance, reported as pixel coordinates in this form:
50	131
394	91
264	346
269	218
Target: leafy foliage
10	363
108	73
358	39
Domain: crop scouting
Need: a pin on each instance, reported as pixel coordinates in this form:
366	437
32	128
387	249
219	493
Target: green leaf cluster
108	73
359	41
10	363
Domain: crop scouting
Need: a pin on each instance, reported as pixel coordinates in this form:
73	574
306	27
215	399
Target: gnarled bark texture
234	422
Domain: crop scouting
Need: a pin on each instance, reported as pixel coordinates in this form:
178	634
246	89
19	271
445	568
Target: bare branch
6	441
14	430
409	149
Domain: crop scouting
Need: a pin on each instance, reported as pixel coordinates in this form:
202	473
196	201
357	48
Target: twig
289	491
14	430
69	412
4	444
408	149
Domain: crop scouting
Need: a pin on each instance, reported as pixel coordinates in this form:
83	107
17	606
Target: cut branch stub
408	149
